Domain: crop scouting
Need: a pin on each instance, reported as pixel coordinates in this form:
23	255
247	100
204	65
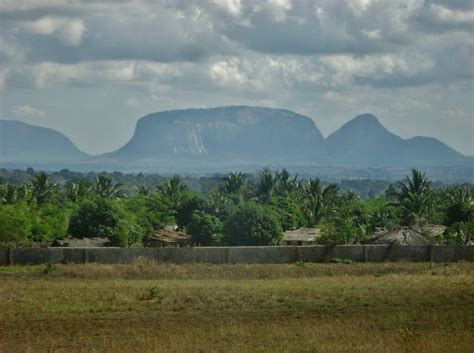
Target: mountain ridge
20	141
238	135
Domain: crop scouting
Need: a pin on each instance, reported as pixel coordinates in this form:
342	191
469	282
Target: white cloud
27	110
68	30
228	73
372	34
277	9
453	16
359	6
377	66
132	103
233	7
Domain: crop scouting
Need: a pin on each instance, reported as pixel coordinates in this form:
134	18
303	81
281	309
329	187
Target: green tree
104	187
142	190
253	224
173	190
15	223
317	199
42	187
76	192
286	185
205	229
8	194
414	199
157	208
290	214
267	182
188	205
94	219
50	222
460	202
234	183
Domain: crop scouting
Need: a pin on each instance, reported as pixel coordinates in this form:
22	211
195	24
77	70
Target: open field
149	307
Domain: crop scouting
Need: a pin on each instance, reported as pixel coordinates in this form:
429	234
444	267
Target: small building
301	236
81	243
432	230
400	236
167	237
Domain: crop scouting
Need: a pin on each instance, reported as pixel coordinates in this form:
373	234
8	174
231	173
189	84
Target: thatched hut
167	237
301	236
400	236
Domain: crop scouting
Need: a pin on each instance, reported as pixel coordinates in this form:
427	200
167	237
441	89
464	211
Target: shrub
15	223
253	224
205	229
290	213
186	208
94	219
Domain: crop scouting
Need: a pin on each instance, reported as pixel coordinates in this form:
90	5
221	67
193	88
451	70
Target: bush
290	213
205	229
50	222
94	219
185	210
253	224
15	223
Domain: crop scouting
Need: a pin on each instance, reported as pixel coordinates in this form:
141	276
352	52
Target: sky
91	69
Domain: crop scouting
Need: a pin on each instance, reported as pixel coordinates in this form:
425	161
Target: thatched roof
400	236
302	234
432	230
81	243
170	236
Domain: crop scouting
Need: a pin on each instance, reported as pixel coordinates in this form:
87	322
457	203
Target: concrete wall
239	255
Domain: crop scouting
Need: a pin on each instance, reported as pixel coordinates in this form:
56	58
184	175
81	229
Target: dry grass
149	307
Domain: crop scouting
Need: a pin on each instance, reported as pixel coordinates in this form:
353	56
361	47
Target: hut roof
81	242
400	236
171	236
302	234
433	230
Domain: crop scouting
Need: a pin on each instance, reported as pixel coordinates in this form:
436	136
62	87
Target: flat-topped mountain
23	142
227	134
234	137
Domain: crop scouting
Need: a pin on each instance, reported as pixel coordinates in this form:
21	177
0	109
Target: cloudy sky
91	68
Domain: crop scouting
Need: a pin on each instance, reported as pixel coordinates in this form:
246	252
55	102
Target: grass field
149	307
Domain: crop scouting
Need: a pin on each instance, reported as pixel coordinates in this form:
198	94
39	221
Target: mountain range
234	136
21	142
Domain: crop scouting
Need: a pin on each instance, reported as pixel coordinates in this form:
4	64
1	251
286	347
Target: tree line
237	209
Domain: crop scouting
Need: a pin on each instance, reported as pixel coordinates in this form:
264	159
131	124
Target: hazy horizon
91	69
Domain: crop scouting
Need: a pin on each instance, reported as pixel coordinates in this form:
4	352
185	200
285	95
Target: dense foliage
235	209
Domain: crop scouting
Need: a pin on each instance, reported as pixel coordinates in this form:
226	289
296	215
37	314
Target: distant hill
21	142
364	141
233	138
236	134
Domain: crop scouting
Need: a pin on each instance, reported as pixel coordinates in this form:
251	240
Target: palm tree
217	202
266	184
460	203
8	194
317	198
234	182
173	190
76	191
142	190
25	193
286	185
105	188
413	198
42	187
